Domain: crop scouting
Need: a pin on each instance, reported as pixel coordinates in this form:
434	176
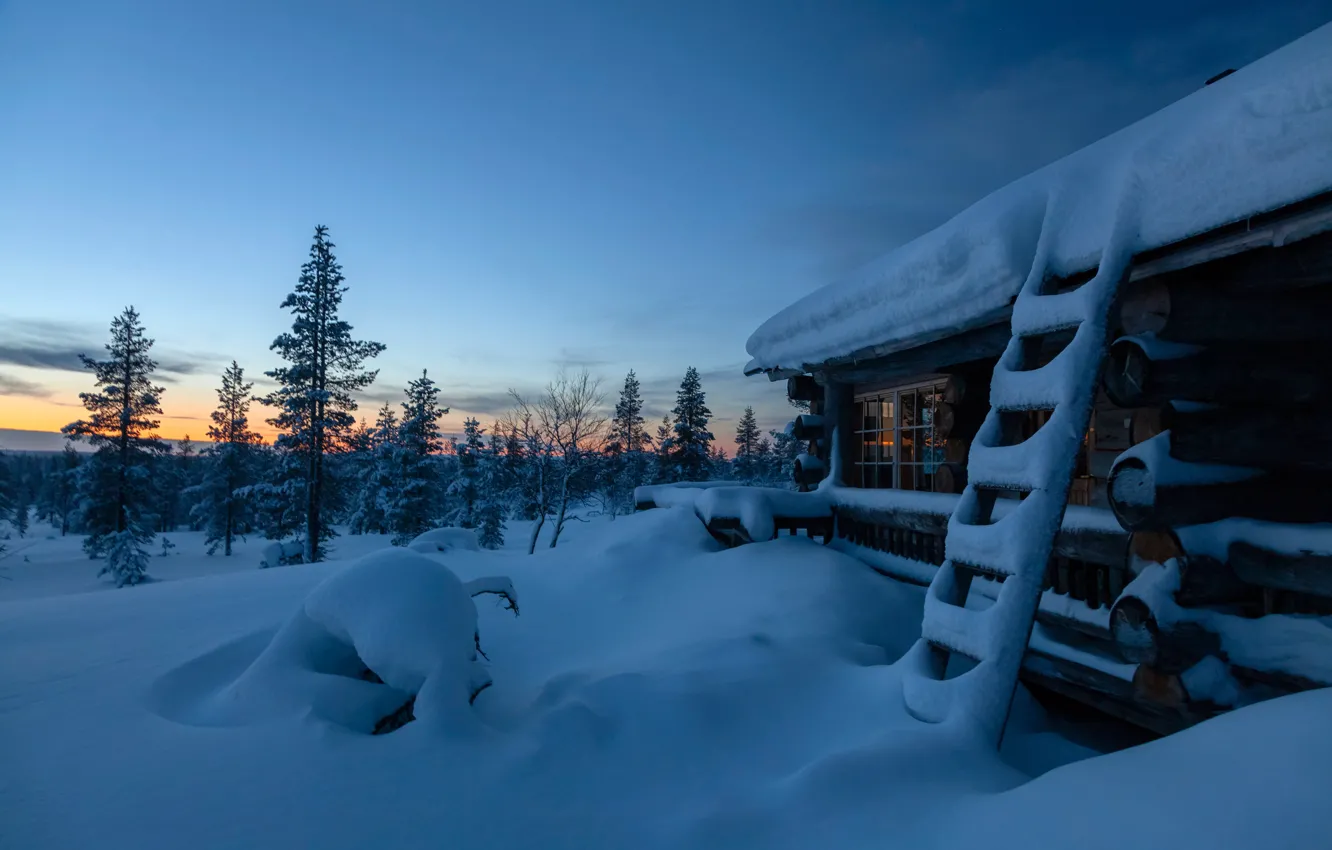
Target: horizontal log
1141	504
1302	264
808	426
1105	693
1141	638
1259	437
955	450
1206	581
1095	546
954	389
803	388
1303	573
1157	547
809	470
1159	688
1283	376
1146	424
1177	311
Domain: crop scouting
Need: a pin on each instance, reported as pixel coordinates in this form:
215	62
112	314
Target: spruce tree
377	475
748	456
781	460
229	464
690	440
117	491
414	505
626	462
466	488
22	506
7	486
493	492
663	471
315	394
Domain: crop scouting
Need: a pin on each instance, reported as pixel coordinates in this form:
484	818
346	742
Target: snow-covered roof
1255	141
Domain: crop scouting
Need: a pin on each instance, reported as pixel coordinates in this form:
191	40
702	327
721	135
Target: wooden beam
1260	437
1288	376
908	520
803	388
986	341
1302	573
1171	648
1095	546
808	426
1142	504
1177	311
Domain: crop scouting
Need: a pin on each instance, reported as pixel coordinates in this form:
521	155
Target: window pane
907	413
907	452
870	451
885	476
886	412
908	476
926	401
869	420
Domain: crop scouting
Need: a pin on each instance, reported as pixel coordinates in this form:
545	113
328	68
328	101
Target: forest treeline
548	458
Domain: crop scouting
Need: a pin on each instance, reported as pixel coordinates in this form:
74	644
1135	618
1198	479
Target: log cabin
1191	569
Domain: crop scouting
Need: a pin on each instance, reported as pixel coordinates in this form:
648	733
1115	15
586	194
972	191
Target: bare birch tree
562	431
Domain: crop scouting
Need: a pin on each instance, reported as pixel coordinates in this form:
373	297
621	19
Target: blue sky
523	185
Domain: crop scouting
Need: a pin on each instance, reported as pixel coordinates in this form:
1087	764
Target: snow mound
390	626
1250	143
757	507
445	540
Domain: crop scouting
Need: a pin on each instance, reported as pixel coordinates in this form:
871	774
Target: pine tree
781	461
690	440
466	488
414	505
748	454
65	484
324	368
118	488
229	464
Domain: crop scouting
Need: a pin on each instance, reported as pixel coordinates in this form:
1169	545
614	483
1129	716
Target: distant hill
16	440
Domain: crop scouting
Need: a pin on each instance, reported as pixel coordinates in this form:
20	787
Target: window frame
893	393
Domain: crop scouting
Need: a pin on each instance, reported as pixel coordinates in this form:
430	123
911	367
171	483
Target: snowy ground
655	692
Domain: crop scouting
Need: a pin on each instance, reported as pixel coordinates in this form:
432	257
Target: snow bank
445	540
657	693
1252	142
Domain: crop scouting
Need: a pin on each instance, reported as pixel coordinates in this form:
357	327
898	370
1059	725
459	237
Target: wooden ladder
1015	548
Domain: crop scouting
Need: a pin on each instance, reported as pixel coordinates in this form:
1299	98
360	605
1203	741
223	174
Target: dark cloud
50	344
12	386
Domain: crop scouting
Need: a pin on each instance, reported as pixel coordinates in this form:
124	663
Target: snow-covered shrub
444	540
389	639
126	559
282	554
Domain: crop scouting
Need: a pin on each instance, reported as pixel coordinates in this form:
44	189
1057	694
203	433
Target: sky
520	187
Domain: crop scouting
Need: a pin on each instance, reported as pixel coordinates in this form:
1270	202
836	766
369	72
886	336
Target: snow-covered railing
670	495
737	513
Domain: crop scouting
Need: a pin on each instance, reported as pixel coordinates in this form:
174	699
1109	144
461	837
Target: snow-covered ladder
1015	548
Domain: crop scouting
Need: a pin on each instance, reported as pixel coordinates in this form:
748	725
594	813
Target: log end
1132	493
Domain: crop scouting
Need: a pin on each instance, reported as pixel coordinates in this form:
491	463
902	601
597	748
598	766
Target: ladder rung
1040	314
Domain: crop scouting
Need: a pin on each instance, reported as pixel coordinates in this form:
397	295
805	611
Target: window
897	445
